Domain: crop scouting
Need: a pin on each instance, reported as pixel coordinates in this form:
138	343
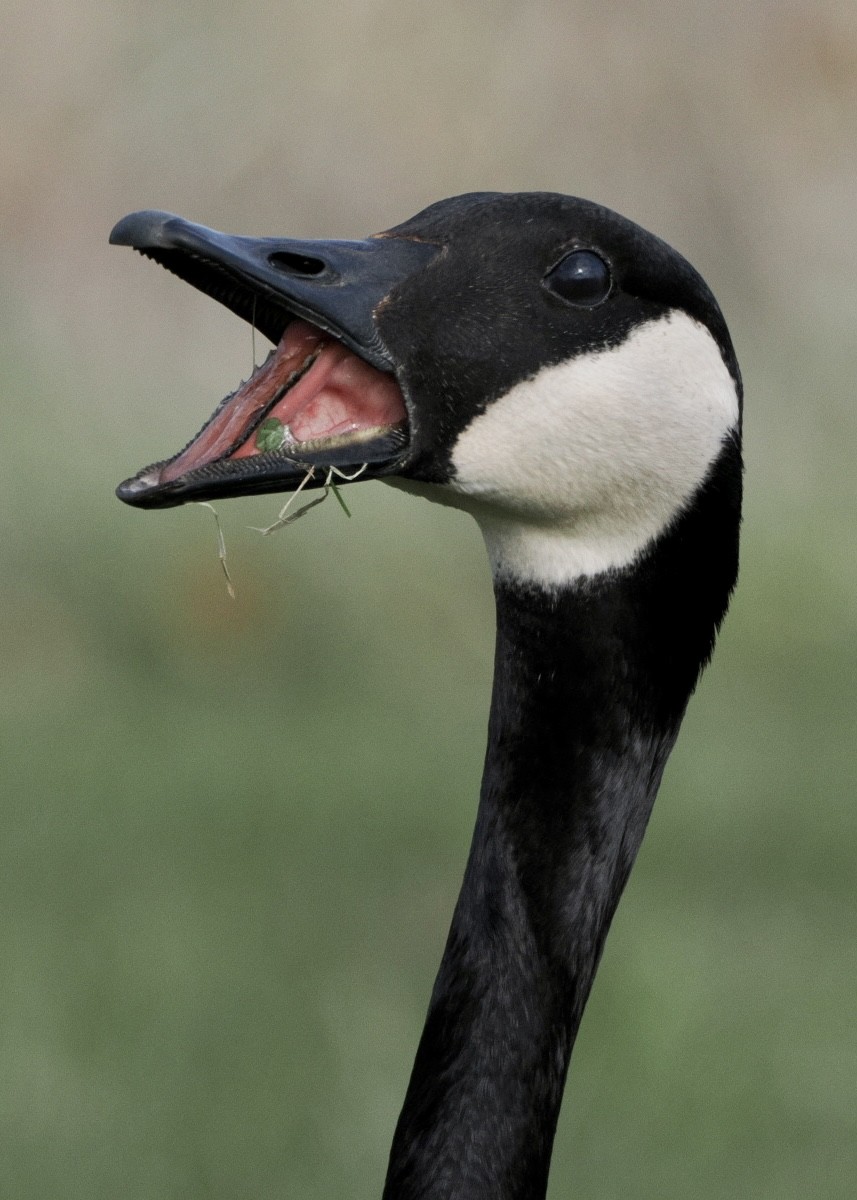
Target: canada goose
567	378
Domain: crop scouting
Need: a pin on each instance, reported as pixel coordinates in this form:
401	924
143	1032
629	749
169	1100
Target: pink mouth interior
328	392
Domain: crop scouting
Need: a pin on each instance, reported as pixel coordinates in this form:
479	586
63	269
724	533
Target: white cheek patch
573	472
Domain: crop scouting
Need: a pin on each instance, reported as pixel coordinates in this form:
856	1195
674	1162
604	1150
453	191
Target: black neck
590	686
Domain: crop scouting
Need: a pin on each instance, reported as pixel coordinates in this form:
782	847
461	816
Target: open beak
326	398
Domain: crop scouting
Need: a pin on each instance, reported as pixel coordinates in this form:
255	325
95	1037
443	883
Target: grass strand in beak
283	518
286	518
221	547
338	496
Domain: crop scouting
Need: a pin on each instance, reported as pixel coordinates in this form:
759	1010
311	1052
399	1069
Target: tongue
322	390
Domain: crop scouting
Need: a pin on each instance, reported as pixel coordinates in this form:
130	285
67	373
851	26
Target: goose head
535	359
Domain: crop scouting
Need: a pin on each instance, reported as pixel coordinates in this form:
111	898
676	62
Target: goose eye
581	278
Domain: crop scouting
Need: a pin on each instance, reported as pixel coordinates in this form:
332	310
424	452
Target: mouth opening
312	405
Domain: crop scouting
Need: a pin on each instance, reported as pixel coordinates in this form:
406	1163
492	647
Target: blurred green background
232	833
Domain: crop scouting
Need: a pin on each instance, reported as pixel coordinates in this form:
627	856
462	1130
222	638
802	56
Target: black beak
337	286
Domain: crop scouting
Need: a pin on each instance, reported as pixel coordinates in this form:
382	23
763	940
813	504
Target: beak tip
140	491
147	228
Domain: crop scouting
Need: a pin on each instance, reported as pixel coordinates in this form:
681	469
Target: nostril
296	264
